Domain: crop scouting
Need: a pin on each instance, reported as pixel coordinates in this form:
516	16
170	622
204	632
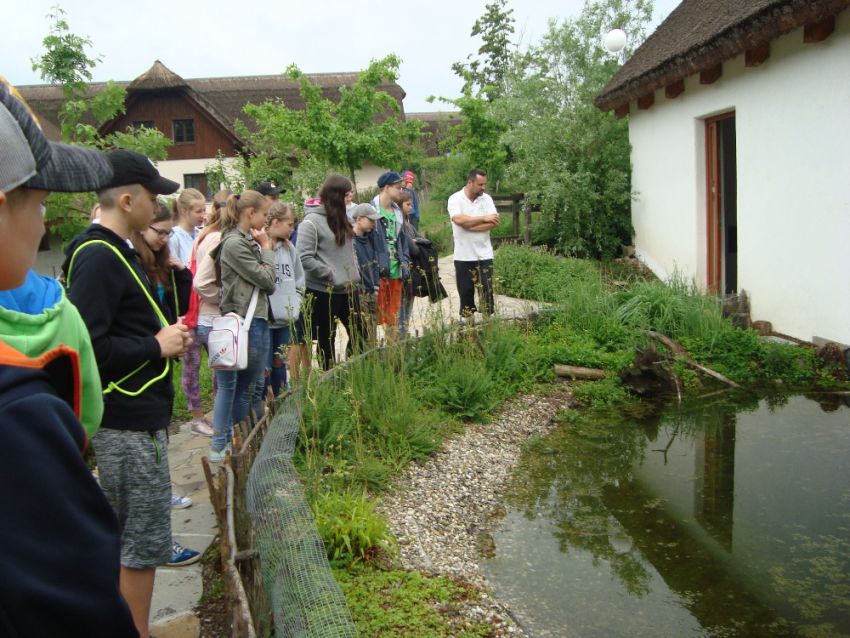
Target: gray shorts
133	470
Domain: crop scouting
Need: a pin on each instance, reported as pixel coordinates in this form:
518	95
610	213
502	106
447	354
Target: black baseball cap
130	167
268	189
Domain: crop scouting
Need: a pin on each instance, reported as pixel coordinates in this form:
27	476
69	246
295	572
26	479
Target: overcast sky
213	38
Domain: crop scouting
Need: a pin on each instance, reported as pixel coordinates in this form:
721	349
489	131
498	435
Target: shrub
350	528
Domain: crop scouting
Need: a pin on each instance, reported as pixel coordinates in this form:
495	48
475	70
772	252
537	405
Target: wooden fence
244	590
518	207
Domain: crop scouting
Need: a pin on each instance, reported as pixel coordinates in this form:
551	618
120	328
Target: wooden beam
710	76
757	55
646	101
622	110
819	31
672	91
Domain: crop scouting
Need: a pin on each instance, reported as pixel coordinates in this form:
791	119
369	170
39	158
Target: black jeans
326	309
470	275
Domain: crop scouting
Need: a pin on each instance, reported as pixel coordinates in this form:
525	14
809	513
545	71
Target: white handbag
228	339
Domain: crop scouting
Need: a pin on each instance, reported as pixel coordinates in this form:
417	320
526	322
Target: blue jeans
404	312
277	377
236	388
203	333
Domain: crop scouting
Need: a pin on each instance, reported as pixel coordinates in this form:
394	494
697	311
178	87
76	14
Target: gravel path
440	510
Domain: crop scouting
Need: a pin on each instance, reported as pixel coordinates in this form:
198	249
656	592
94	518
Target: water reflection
713	520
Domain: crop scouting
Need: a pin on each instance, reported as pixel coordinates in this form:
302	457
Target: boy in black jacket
59	543
133	343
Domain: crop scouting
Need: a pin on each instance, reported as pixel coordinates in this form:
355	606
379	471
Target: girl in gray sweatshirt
330	267
285	301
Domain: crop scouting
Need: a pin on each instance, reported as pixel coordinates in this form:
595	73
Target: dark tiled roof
223	97
701	34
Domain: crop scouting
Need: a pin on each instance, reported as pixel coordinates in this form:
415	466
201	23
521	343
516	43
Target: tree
477	139
65	63
486	74
478	136
364	125
571	158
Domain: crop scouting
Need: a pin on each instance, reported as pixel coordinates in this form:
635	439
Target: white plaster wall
793	153
367	176
176	169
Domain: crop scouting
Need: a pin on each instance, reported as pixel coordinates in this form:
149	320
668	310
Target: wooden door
721	211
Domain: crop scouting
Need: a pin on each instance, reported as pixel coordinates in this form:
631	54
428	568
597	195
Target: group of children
143	286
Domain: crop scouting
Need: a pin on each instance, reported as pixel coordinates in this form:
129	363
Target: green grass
401	604
537	274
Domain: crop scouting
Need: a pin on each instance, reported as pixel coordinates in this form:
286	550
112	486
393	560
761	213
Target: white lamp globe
615	41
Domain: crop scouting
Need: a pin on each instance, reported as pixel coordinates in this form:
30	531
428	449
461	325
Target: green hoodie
36	318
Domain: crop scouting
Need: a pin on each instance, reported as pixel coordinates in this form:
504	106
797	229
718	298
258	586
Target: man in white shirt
473	215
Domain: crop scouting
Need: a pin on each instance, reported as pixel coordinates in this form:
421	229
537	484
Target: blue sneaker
181	556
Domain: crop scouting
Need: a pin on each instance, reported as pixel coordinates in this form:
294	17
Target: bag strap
252	306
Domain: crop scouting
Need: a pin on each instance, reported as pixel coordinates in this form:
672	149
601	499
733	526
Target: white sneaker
201	427
180	502
218	456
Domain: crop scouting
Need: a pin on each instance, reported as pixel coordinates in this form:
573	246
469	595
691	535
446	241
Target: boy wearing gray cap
59	543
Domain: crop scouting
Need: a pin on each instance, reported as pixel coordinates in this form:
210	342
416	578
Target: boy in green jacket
36	318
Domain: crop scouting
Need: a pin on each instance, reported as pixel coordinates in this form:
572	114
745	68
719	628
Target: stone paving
178	589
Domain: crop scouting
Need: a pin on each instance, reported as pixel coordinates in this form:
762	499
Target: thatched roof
155	78
222	97
702	34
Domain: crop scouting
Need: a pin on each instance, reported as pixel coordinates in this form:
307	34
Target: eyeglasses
162	233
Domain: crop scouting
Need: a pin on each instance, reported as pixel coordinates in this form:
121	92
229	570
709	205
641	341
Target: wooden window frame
202	184
182	121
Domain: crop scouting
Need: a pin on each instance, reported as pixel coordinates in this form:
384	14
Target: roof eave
746	35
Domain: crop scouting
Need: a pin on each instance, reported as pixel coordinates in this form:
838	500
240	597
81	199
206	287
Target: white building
738	119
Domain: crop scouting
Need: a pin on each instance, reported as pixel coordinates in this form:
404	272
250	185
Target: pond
723	518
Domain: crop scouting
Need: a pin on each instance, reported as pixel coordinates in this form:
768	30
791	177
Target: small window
197	181
143	124
184	131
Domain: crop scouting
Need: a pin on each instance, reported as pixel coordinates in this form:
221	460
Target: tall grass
675	308
396	404
598	322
